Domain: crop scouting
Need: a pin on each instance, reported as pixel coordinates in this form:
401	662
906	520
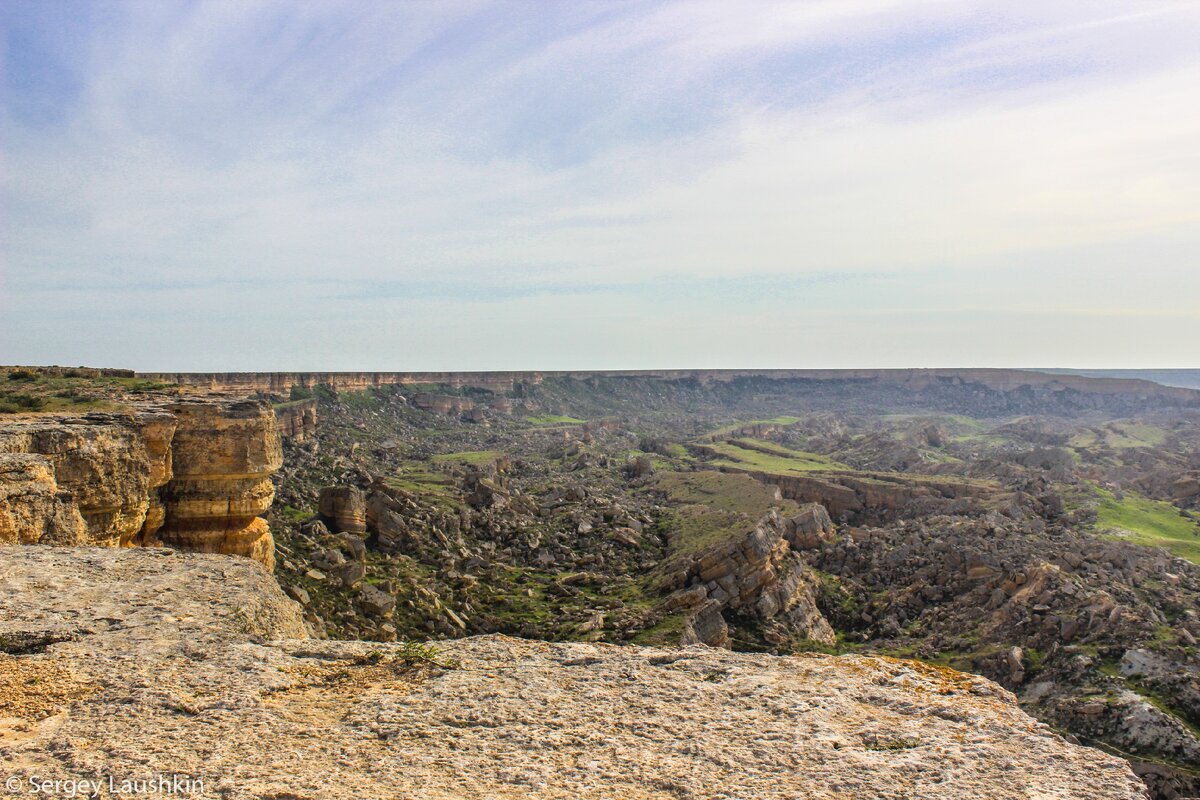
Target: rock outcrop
194	474
757	575
140	663
224	455
876	495
442	403
33	509
1000	390
107	466
297	420
344	508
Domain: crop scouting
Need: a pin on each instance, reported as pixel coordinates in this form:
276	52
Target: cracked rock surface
163	662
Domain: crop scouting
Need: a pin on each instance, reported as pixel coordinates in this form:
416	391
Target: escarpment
193	474
995	391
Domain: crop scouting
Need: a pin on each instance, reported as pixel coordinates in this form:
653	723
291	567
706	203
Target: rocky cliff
297	420
1021	387
193	474
142	664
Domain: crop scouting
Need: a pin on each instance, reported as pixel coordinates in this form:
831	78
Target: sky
260	185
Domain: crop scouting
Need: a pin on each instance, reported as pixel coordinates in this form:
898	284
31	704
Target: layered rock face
442	403
345	507
1004	388
297	420
758	575
106	468
223	691
192	474
33	510
875	494
224	457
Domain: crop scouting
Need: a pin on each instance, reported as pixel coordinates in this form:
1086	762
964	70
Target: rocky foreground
130	664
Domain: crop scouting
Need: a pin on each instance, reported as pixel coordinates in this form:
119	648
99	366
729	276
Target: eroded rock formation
193	474
758	575
297	420
345	507
111	682
33	509
1009	389
224	456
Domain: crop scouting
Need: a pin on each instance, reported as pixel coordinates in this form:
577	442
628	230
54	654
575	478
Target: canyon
996	522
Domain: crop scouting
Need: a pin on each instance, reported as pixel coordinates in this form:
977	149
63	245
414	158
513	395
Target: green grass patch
769	458
1120	435
553	419
34	389
665	633
1152	523
293	514
365	400
433	487
712	507
472	457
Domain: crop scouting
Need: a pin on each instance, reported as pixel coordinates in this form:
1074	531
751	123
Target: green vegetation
24	390
1152	523
417	653
736	426
293	514
433	487
1120	435
665	633
552	419
472	457
769	457
713	507
366	400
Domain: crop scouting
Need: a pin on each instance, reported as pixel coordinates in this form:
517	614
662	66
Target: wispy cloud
532	156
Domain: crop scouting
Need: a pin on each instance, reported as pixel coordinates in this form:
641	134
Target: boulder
345	507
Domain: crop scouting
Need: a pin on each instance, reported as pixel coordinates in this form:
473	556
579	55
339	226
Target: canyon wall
297	420
193	474
916	380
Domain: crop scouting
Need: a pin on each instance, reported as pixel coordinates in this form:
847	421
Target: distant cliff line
1002	380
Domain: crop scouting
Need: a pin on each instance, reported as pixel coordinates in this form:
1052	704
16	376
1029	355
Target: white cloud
278	145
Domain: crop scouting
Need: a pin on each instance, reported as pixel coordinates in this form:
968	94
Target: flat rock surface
132	665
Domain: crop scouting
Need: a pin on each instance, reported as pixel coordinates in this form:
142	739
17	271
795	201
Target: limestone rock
376	602
33	510
193	474
194	665
345	507
810	528
224	455
103	461
757	574
297	420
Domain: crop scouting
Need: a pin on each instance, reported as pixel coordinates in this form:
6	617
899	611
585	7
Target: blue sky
319	185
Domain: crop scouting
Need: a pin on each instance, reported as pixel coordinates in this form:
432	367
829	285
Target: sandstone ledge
192	473
168	670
